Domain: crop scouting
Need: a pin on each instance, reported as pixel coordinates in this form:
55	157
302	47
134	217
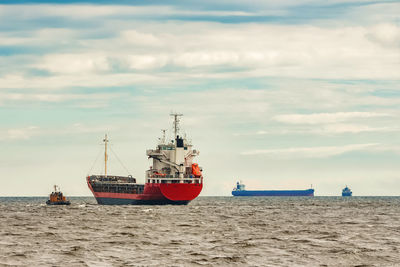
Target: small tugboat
346	192
57	198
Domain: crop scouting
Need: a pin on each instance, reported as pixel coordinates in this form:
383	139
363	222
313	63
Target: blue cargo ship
346	192
240	190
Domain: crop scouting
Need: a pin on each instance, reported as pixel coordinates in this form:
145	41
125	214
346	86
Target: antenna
163	136
105	140
176	122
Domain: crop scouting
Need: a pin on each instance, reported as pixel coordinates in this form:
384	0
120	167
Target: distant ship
57	198
172	179
346	192
240	190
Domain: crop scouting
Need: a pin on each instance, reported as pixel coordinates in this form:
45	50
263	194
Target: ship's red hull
153	194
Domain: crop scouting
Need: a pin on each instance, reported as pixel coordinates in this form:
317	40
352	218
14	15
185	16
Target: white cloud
254	50
310	152
83	11
143	62
386	34
339	128
63	81
85	101
29	132
324	118
388	148
19	133
77	11
206	58
74	63
327	130
137	38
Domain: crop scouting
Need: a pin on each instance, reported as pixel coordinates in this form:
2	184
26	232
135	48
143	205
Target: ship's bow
181	192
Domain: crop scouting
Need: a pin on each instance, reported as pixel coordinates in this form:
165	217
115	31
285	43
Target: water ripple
210	231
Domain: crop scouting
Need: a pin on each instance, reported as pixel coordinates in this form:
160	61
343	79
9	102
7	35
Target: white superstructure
173	161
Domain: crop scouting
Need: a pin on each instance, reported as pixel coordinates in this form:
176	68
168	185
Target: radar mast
176	122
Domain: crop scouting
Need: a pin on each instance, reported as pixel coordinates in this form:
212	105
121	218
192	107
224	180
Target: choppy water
210	231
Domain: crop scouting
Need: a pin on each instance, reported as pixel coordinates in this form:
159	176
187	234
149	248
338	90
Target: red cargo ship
173	178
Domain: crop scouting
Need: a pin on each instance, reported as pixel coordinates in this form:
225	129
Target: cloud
388	148
137	38
94	100
310	152
31	11
325	118
327	130
145	62
337	123
386	34
74	63
244	50
339	128
19	133
62	81
29	132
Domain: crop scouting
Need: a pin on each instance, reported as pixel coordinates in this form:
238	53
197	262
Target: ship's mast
105	140
176	122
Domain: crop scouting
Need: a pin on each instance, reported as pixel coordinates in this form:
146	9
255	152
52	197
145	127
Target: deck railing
174	180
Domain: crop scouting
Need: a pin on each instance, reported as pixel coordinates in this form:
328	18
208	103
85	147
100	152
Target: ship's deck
123	184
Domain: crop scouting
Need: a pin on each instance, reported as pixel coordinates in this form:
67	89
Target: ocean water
210	231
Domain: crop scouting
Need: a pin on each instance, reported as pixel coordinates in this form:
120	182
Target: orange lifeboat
196	170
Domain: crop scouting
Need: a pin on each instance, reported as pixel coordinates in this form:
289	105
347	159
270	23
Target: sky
278	94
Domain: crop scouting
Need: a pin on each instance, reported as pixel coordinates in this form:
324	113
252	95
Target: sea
210	231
